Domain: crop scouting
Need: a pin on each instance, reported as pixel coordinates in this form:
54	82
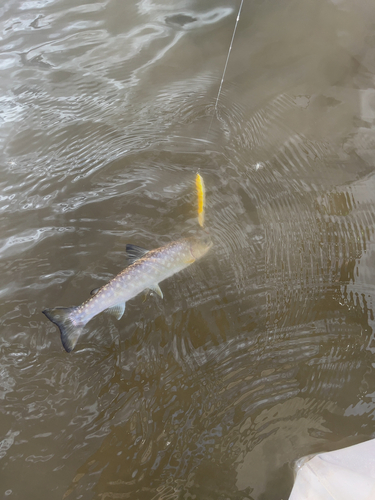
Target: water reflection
258	355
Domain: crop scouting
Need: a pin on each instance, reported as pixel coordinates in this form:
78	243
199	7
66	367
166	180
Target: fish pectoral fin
133	253
156	288
117	311
95	290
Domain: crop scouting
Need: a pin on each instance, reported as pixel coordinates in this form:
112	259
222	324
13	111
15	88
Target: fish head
200	244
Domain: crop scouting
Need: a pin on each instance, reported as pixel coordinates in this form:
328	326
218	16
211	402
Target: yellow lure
201	198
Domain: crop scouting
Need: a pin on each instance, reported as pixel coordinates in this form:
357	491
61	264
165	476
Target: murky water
259	354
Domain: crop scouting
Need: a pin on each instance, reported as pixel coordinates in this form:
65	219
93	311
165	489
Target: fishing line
226	64
199	180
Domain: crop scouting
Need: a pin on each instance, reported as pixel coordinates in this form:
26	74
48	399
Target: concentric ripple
260	353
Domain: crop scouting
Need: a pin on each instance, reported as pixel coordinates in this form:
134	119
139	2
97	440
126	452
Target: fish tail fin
70	332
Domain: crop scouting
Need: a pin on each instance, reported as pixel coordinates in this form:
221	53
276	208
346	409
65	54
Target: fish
145	271
201	198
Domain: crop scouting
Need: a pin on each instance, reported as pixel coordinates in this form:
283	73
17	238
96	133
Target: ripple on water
259	353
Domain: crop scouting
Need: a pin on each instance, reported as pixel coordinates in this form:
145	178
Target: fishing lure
201	198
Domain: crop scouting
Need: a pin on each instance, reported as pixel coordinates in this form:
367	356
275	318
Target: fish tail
69	331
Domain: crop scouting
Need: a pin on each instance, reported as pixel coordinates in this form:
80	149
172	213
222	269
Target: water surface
259	354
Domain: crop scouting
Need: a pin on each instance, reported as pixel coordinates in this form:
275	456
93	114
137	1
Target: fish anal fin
117	311
133	253
156	288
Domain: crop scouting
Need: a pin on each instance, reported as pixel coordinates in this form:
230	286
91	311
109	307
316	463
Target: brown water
259	354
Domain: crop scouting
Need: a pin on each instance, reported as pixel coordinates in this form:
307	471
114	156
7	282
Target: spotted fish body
147	269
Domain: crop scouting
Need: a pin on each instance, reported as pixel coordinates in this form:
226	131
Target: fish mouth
201	251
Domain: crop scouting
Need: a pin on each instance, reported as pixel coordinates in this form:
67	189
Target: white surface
346	474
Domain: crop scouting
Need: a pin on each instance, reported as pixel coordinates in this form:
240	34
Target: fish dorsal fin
133	253
156	288
117	311
95	290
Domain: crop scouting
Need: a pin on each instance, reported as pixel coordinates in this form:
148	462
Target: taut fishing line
199	179
226	64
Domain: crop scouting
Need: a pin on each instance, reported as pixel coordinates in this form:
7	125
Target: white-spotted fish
146	270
